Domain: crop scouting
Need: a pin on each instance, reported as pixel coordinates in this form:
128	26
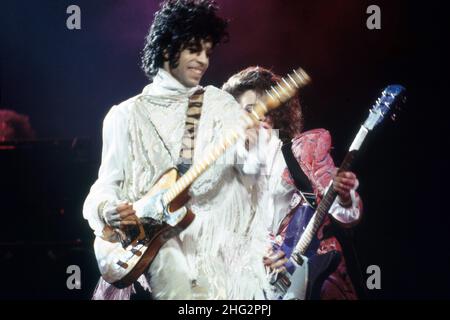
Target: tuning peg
394	117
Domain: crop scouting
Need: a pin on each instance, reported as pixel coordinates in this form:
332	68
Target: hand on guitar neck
343	183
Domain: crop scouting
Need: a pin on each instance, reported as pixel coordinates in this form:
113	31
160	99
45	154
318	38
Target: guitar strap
324	265
190	131
300	179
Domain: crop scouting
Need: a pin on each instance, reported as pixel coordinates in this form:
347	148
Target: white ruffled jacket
219	256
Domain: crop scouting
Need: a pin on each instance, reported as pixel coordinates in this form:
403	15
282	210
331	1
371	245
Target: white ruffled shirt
219	256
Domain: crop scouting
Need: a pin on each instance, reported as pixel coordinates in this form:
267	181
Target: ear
165	55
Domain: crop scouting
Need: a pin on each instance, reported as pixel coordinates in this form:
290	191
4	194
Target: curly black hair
179	24
288	118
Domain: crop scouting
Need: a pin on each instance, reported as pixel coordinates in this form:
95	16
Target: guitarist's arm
347	207
312	151
103	204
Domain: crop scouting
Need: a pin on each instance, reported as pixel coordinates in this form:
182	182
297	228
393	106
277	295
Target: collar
164	84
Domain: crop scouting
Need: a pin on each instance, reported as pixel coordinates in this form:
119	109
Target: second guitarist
279	193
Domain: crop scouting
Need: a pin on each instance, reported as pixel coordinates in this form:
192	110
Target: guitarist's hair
288	118
177	25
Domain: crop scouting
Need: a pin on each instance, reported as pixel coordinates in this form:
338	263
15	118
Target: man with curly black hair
218	256
181	25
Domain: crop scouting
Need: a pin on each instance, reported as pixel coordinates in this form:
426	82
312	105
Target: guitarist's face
192	64
248	100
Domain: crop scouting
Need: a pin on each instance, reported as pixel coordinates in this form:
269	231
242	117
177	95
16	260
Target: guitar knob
394	117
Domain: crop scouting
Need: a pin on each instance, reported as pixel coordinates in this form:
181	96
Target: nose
203	58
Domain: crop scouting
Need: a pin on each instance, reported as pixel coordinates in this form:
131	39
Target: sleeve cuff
346	214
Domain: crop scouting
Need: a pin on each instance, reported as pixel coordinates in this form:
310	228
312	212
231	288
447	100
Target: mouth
197	71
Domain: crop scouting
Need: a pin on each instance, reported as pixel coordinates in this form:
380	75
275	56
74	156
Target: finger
124	206
128	212
115	224
347	174
114	217
125	223
278	264
265	125
131	217
344	194
346	180
267	261
277	256
111	211
343	186
282	269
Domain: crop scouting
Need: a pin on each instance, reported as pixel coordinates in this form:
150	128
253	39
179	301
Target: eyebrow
248	106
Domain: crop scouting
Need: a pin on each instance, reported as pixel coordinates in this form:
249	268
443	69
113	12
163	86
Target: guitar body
121	264
305	279
298	221
296	272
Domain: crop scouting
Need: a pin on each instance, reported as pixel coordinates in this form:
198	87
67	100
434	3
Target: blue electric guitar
292	283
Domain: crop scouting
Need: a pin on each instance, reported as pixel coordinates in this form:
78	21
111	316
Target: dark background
67	80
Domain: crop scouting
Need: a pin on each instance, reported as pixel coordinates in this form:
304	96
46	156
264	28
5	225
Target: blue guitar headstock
386	105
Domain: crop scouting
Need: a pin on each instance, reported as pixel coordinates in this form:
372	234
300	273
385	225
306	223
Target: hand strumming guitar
121	216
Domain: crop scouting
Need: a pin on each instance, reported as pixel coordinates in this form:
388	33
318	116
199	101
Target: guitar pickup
136	252
122	264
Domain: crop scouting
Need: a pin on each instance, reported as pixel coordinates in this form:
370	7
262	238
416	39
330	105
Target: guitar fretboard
276	96
322	210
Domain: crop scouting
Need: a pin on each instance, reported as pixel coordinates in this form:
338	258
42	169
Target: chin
192	83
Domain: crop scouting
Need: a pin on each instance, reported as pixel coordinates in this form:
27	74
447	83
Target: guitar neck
196	170
276	96
328	199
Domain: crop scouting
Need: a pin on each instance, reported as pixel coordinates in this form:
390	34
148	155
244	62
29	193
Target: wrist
345	202
101	212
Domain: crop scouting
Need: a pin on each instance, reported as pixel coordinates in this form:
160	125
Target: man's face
248	100
192	64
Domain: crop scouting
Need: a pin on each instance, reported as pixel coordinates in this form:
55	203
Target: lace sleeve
106	189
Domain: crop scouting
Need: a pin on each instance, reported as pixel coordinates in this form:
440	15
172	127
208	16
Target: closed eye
249	107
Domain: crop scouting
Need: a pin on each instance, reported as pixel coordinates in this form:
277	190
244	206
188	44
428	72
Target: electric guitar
292	284
124	254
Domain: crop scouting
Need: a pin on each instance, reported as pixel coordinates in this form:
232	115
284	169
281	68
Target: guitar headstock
388	104
284	90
